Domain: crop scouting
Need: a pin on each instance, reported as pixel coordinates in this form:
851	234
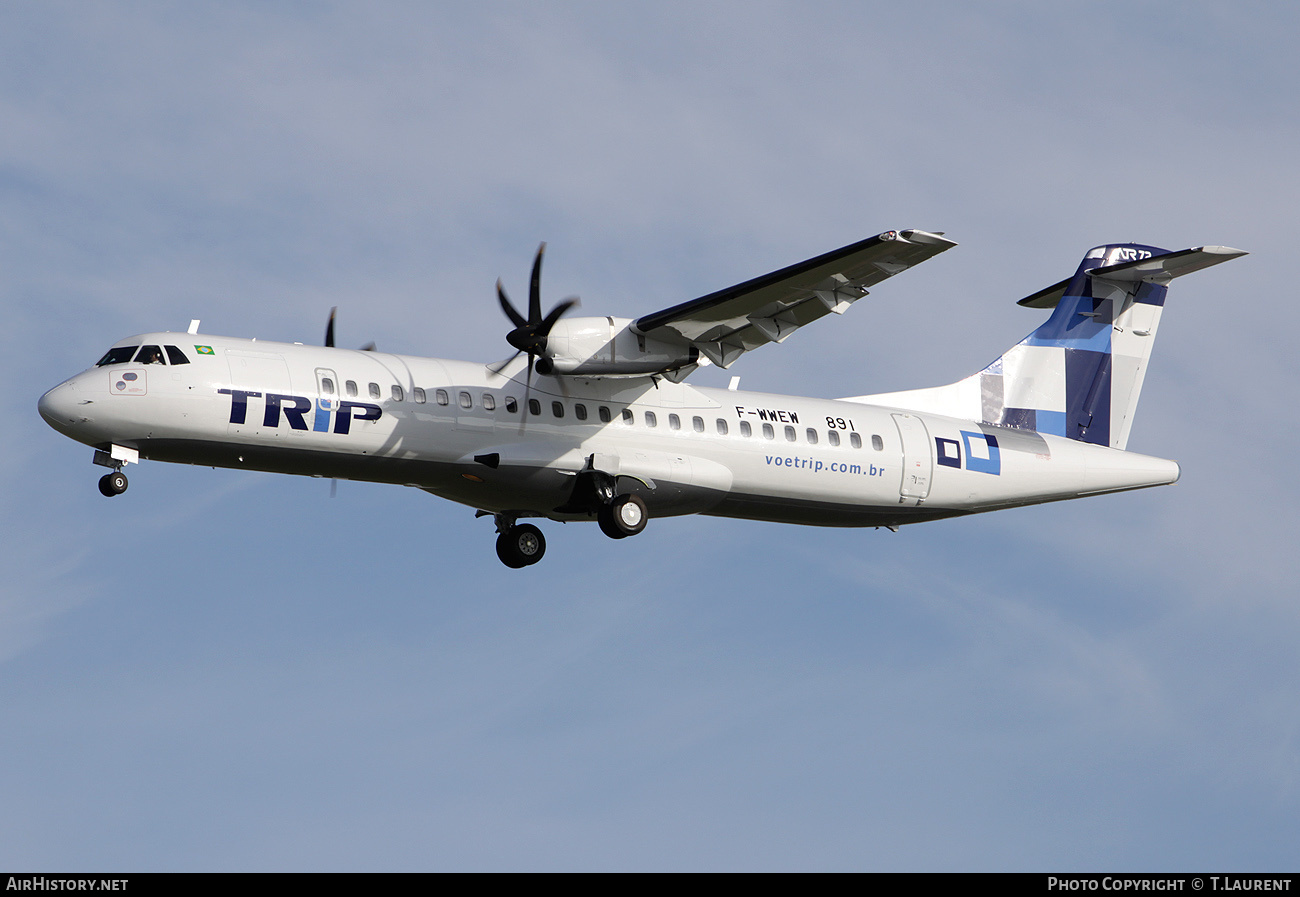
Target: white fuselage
495	443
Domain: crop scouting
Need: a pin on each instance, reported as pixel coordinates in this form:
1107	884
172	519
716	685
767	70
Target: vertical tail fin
1078	375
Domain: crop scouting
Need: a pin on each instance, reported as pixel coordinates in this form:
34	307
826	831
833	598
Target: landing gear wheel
521	546
111	484
624	516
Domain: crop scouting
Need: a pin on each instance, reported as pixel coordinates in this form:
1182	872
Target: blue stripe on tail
1081	326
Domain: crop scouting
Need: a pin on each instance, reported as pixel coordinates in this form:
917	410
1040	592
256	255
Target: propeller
329	333
530	333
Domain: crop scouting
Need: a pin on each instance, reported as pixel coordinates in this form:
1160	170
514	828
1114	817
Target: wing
726	324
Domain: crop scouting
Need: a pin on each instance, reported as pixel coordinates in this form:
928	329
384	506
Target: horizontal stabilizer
1048	297
1165	268
1159	270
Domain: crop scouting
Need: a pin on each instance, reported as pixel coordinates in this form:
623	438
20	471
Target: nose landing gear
115	458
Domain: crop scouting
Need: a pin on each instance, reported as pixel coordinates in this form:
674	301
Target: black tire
625	516
111	484
521	546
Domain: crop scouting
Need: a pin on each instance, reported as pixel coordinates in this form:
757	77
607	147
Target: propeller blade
535	289
514	316
554	315
497	367
329	333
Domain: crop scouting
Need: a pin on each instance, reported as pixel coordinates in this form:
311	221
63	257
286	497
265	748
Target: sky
225	670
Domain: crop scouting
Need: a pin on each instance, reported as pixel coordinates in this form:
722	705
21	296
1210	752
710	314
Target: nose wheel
114	458
111	484
521	546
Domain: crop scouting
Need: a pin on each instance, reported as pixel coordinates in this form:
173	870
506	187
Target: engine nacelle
608	346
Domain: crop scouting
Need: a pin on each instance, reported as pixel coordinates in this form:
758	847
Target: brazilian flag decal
204	350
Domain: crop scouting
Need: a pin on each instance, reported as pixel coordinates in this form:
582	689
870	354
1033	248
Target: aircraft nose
60	407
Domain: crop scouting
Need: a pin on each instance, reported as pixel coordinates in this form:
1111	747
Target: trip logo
295	408
980	451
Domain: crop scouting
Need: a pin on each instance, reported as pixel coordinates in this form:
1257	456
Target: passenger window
580	411
397	393
327	386
877	443
833	437
768	432
466	400
650	419
790	434
674	422
350	387
557	408
604	414
511	405
628	417
418	393
812	436
698	424
855	440
440	396
374	390
176	356
149	355
746	429
489	402
534	407
722	427
117	356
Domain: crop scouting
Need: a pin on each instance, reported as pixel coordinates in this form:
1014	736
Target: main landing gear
522	544
111	484
623	516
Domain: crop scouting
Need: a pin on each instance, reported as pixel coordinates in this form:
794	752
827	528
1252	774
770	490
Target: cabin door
918	460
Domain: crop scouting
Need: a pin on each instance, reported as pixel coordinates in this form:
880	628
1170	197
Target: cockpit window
120	355
175	355
150	355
